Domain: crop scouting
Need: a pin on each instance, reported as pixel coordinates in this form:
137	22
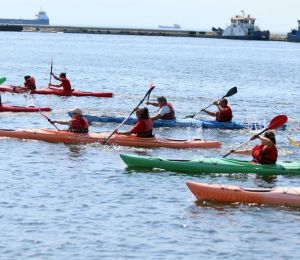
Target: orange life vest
79	125
143	128
30	83
65	83
265	155
225	115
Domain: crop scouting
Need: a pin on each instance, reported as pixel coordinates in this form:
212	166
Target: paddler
264	153
166	110
29	83
65	83
224	113
144	125
77	124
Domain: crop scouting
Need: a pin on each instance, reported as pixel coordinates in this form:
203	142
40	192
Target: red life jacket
171	114
79	125
65	83
264	155
30	83
143	128
225	115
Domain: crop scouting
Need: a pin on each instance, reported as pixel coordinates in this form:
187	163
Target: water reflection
76	150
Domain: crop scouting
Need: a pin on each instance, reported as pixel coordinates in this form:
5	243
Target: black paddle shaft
230	93
124	121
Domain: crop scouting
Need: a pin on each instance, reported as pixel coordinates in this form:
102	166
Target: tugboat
242	27
294	35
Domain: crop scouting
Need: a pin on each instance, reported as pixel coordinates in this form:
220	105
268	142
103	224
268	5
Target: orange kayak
232	194
54	136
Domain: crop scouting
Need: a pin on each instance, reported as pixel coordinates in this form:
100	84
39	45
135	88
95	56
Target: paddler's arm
57	78
157	116
155	104
265	141
123	133
208	112
53	85
60	122
242	152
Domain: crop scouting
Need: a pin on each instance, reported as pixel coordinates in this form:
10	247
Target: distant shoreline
132	31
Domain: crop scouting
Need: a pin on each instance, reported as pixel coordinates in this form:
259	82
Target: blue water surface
80	202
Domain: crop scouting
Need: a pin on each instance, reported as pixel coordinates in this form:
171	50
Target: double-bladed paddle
40	111
294	142
151	86
51	68
2	80
124	121
49	120
230	93
276	122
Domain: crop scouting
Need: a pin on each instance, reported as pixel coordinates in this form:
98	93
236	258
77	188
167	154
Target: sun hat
76	110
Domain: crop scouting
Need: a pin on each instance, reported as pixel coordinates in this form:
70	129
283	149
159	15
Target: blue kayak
180	122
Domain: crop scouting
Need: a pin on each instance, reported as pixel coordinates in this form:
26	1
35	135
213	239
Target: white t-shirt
164	110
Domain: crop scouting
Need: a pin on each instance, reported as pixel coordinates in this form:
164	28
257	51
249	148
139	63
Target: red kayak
8	108
54	91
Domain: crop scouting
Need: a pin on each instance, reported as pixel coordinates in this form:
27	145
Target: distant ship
174	26
242	27
294	35
41	19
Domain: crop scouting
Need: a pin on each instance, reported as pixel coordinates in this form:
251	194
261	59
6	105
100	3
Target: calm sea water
80	202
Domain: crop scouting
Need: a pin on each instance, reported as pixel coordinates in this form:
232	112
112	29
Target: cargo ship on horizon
174	26
41	19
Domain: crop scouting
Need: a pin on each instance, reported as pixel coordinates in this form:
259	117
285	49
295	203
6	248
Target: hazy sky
275	15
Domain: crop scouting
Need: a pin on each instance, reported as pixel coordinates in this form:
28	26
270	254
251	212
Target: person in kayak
29	83
77	124
264	153
224	113
166	110
144	125
65	83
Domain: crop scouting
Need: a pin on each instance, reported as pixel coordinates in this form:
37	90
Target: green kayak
210	165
